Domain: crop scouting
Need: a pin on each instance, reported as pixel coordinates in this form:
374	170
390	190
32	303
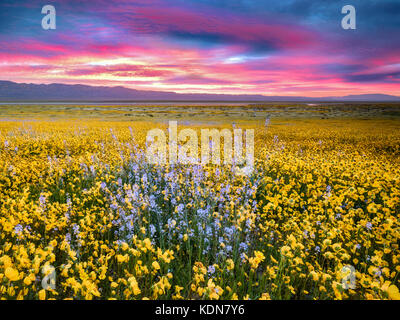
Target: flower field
78	199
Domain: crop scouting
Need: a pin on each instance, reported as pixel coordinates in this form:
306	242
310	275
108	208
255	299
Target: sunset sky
286	47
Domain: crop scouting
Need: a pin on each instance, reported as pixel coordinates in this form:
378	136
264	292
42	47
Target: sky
269	47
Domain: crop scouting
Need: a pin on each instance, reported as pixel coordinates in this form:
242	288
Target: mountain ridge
13	92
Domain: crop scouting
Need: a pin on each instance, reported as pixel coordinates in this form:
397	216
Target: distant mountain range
19	92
